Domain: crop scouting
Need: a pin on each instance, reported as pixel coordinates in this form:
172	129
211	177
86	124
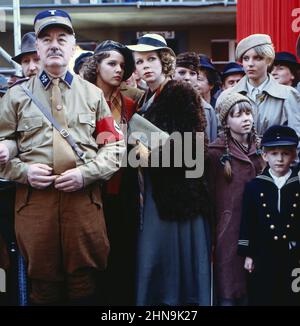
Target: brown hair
89	67
253	137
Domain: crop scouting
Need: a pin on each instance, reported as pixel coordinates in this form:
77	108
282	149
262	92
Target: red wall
278	18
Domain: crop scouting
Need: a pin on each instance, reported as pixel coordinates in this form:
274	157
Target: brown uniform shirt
85	107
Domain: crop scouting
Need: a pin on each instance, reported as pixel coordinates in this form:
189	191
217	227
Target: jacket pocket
29	128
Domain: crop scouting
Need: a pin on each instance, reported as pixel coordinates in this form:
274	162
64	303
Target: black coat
178	108
266	235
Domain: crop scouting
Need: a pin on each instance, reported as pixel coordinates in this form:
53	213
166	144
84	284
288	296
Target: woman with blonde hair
173	248
273	104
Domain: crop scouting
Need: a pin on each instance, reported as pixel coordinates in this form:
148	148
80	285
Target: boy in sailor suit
270	226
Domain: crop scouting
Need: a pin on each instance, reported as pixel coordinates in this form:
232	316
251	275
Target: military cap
250	42
279	136
52	17
232	68
110	45
27	46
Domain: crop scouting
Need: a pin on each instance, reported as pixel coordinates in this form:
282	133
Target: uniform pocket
84	131
29	128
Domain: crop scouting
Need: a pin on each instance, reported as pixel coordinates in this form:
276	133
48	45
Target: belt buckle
64	133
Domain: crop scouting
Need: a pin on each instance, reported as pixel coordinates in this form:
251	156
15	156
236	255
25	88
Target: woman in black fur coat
173	255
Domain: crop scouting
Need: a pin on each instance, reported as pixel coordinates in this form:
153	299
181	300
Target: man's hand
4	154
249	265
40	175
70	180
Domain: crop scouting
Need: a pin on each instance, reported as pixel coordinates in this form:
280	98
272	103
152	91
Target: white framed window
222	52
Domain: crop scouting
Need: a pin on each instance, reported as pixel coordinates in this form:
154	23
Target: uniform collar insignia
68	78
46	80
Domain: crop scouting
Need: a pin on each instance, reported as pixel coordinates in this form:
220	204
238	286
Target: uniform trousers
63	239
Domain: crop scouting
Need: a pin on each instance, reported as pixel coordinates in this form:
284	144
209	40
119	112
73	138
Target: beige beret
228	102
250	42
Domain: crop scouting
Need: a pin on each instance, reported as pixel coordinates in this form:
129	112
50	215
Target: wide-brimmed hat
286	58
110	45
151	42
278	135
250	42
27	46
232	68
55	17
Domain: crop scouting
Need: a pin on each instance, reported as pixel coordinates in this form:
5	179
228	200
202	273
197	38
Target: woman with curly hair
111	64
173	248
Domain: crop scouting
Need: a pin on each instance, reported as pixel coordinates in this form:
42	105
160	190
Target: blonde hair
266	51
168	62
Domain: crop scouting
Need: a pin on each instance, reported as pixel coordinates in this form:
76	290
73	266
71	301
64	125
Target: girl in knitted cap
234	159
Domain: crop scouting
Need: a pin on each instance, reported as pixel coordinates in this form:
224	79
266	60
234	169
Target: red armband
108	131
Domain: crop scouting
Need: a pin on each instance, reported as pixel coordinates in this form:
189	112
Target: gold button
294	205
292	215
275	238
272	226
264	205
58	107
284	236
261	194
297	194
287	225
268	215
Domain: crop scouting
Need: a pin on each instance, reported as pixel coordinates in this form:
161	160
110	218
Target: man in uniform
28	58
60	227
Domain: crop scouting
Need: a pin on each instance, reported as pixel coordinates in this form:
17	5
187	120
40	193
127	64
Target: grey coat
279	105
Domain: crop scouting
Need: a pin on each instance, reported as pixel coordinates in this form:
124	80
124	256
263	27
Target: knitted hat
250	42
228	102
188	60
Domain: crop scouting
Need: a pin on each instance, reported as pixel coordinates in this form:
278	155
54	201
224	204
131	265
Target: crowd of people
95	231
